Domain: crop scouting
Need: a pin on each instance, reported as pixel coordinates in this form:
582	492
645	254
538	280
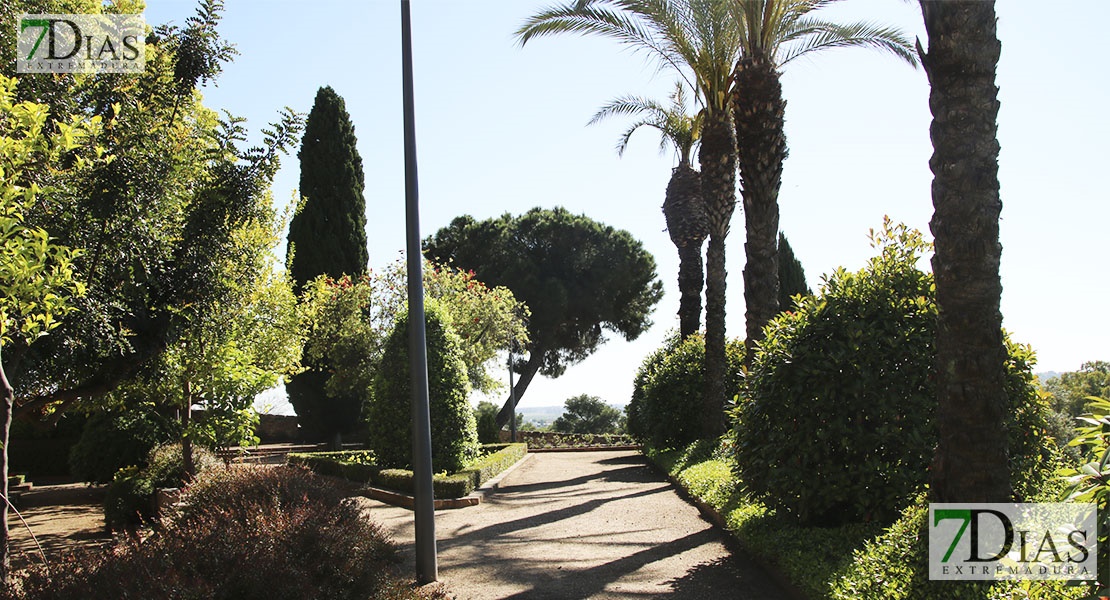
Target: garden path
573	525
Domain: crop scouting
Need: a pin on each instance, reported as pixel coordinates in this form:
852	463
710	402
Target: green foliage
247	534
327	238
1090	481
838	423
328	234
485	416
348	320
577	276
895	566
36	274
587	414
129	498
389	416
1070	392
666	406
792	277
114	439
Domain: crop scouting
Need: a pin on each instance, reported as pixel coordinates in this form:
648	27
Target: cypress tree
792	277
327	236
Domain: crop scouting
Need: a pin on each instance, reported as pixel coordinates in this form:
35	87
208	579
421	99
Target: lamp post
512	397
424	502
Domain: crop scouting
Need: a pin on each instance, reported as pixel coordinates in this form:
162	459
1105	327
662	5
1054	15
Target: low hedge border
353	465
861	561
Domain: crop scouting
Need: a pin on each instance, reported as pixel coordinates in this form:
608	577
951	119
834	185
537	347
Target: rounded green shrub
129	498
838	422
665	411
389	416
112	440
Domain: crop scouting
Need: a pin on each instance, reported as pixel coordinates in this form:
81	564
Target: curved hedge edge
710	514
637	448
445	487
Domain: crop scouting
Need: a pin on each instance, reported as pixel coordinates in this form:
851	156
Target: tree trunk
688	226
691	280
7	400
718	179
758	108
186	441
971	462
716	369
535	359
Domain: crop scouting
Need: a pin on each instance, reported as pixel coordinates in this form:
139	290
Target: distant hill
1046	375
542	416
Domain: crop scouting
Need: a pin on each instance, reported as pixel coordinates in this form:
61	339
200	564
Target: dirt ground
57	519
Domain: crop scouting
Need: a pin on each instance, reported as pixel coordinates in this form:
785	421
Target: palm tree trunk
758	108
684	210
718	179
971	463
691	280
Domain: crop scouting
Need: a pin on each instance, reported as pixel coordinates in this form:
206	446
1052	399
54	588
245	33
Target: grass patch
358	466
858	561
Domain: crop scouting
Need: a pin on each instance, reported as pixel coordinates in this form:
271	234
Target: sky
502	128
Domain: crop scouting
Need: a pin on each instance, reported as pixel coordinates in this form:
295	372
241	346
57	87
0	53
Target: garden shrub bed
357	466
542	440
856	561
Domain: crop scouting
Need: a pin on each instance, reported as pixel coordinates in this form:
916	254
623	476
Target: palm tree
700	41
775	32
683	207
970	464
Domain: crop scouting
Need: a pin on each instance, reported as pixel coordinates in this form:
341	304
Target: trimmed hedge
857	561
348	465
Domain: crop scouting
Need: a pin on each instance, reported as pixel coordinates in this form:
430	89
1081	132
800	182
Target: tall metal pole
512	398
427	569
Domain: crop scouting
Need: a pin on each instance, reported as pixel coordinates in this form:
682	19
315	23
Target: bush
485	416
666	402
115	439
129	498
245	533
895	566
389	415
838	423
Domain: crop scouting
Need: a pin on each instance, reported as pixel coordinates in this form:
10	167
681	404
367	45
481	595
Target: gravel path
582	525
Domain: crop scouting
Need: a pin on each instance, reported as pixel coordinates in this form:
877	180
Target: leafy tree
970	464
683	207
230	350
701	41
587	414
792	277
37	279
327	236
349	319
577	276
1072	391
773	33
389	414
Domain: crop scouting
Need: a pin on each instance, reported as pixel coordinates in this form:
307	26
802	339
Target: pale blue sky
503	129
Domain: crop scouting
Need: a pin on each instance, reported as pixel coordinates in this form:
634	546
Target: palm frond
614	21
813	35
